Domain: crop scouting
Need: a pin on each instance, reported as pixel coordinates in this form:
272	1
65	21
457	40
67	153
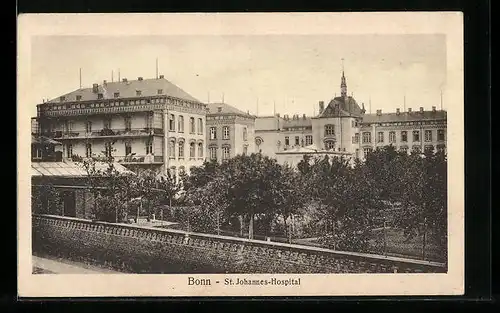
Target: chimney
321	106
219	109
409	110
304	116
162	76
95	88
124	80
379	112
398	111
139	78
421	110
433	109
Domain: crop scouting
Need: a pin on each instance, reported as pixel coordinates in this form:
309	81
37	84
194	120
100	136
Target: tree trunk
286	228
250	226
241	225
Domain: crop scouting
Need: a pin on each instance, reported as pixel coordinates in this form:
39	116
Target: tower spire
343	84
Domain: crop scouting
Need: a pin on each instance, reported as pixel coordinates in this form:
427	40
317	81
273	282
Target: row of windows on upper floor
108	149
415	148
180	124
428	136
226	133
226	152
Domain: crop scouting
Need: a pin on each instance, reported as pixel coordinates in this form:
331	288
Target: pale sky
295	71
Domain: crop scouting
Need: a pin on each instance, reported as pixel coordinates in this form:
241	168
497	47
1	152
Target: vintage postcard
262	154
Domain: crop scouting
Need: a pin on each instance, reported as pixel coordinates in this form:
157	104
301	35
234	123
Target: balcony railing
138	159
105	132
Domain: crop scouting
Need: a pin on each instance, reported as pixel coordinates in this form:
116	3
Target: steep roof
224	108
404	116
148	88
340	106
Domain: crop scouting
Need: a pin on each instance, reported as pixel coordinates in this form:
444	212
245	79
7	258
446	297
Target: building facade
144	123
230	132
343	128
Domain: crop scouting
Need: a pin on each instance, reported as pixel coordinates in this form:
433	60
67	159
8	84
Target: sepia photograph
229	158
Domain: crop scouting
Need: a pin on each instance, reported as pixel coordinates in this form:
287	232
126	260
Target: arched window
200	150
171	148
181	149
192	150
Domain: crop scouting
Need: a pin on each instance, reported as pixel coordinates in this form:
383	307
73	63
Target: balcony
139	159
106	133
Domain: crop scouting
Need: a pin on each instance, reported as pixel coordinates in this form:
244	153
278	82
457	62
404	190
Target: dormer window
61	98
100	96
138	93
117	95
160	91
78	97
219	109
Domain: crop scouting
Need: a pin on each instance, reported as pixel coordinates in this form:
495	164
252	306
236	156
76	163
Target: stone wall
149	250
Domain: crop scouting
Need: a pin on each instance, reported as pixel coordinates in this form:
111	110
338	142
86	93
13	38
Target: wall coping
304	248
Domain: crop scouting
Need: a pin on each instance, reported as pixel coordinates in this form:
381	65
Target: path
52	266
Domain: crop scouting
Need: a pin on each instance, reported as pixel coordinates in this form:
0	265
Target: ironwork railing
105	132
141	159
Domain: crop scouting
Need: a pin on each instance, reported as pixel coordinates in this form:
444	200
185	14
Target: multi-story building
229	131
343	128
144	123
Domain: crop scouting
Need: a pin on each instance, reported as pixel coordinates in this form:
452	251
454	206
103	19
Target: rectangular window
440	134
107	123
160	91
380	137
428	135
149	121
213	153
429	148
330	145
181	149
416	135
404	136
403	149
225	132
117	95
180	122
392	137
138	93
192	126
416	149
88	150
108	149
200	126
100	96
225	153
171	123
213	133
441	148
128	123
69	150
367	151
38	153
245	134
128	148
367	137
329	130
88	127
245	150
309	140
297	140
287	141
78	97
149	147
